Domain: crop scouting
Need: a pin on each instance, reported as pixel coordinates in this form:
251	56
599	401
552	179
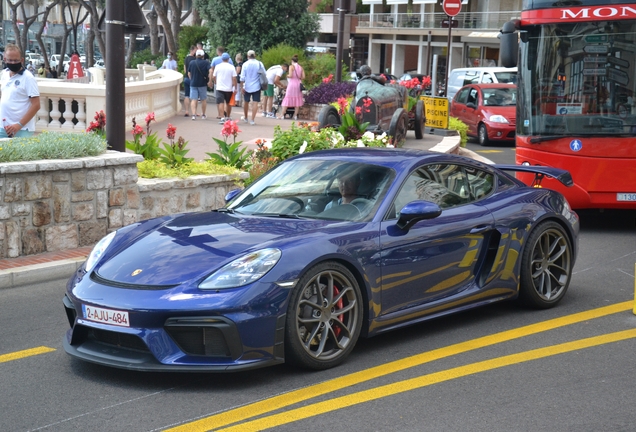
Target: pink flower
150	117
342	103
171	131
328	79
230	127
137	131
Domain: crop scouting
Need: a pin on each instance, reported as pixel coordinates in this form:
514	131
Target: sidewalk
47	266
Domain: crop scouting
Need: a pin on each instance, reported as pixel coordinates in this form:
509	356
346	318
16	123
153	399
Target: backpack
262	75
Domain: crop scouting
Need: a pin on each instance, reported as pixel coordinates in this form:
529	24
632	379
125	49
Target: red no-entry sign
452	7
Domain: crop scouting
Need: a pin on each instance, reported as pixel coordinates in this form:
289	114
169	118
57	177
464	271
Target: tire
546	266
324	317
328	116
399	126
482	135
420	119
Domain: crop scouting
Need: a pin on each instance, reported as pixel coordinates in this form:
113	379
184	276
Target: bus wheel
482	134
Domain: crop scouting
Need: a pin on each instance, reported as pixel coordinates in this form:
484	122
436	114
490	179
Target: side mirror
231	194
416	211
509	44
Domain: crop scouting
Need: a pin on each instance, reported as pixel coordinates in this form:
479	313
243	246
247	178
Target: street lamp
342	6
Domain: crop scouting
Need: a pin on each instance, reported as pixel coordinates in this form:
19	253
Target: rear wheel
324	317
328	116
482	134
546	266
420	119
399	126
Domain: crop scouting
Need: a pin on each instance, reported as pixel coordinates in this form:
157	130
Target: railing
69	106
466	20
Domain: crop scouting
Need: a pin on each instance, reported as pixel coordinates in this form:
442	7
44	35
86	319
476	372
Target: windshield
317	189
578	80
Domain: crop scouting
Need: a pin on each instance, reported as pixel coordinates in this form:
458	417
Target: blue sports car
325	248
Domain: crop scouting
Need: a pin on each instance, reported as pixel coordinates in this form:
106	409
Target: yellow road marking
425	380
25	353
293	397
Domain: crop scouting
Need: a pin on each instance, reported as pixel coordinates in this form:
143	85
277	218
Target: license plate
106	316
626	197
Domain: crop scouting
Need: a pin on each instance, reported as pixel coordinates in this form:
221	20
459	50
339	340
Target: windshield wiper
541	139
280	215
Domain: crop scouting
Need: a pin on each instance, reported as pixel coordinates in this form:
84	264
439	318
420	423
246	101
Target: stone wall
53	205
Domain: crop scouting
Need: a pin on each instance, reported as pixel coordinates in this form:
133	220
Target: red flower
137	131
328	79
150	117
342	104
171	131
230	127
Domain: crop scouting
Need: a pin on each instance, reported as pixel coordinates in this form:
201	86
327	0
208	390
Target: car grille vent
121	340
97	278
200	341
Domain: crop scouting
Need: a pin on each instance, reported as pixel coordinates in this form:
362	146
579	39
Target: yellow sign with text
436	111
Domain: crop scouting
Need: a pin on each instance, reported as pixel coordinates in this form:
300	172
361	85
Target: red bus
576	106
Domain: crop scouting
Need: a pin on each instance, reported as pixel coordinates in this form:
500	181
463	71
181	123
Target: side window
481	183
462	97
487	79
471	78
445	185
472	96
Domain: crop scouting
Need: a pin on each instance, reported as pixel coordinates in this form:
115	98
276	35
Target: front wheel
482	135
420	120
328	116
398	127
324	317
546	266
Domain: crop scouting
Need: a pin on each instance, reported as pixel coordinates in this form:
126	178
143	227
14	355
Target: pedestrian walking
293	95
20	99
225	82
238	58
219	99
200	73
251	86
186	80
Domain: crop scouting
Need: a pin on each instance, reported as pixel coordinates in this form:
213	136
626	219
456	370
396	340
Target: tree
241	25
172	25
94	7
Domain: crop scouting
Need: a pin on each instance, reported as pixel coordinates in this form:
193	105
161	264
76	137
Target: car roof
400	159
486	69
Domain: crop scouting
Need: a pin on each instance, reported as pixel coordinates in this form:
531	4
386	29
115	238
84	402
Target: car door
435	258
458	106
471	116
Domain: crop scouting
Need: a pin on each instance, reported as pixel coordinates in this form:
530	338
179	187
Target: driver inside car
348	186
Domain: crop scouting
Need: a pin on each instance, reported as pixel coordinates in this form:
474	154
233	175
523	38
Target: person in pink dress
293	96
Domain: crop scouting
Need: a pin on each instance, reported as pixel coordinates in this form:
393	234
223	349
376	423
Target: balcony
466	20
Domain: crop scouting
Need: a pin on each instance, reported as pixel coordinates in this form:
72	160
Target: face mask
169	57
14	67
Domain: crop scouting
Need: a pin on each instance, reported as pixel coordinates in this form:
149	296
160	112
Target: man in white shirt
225	80
273	80
20	96
251	85
169	63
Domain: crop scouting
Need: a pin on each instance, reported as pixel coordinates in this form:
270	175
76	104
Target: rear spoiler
561	175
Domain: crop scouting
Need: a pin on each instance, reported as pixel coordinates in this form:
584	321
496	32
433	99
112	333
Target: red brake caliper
339	305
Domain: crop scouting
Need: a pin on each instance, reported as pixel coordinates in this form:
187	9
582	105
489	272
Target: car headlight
498	118
242	271
98	251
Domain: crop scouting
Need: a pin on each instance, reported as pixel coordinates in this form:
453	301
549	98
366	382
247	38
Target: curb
37	273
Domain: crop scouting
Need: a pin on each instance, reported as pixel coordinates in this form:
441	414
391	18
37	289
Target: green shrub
319	67
282	53
147	56
461	127
52	145
157	169
190	35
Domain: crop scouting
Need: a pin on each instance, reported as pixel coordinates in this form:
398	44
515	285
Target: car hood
192	246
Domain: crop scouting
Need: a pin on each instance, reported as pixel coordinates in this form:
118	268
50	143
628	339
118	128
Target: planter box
310	111
52	205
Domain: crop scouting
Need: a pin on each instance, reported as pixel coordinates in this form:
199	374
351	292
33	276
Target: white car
35	59
54	60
